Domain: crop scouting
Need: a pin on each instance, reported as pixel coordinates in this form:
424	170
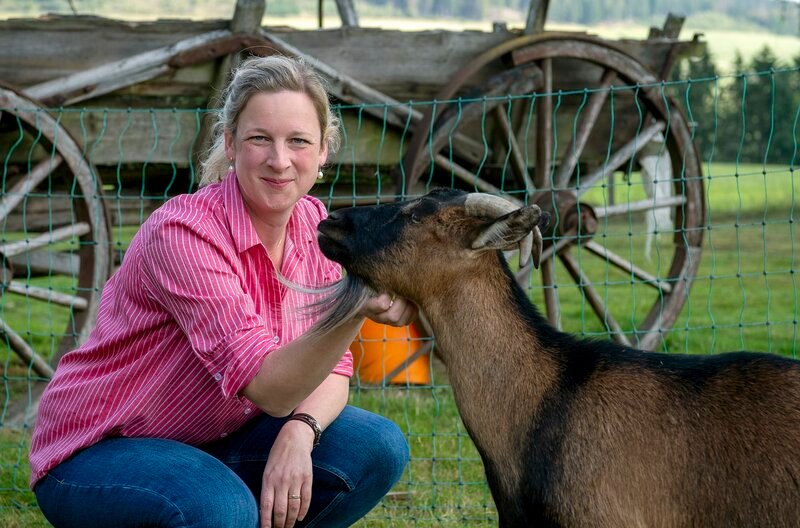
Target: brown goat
578	432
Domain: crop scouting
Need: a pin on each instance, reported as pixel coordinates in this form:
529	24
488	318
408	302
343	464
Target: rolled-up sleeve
196	281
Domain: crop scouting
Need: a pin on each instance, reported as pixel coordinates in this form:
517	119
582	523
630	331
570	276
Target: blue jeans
122	482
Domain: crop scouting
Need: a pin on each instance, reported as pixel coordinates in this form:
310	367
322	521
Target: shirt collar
242	229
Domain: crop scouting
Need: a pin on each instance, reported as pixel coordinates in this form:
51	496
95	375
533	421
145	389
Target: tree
732	115
700	101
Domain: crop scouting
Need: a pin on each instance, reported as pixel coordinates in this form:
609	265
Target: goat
577	432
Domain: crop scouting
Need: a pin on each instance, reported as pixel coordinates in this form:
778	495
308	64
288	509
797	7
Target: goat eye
415	218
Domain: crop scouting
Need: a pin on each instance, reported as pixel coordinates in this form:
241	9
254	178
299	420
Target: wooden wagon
96	110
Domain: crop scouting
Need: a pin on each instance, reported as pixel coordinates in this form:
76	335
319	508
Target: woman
201	399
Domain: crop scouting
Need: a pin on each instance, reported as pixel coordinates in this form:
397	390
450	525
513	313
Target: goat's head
394	247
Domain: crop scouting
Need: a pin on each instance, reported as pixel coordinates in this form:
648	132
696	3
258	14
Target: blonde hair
266	75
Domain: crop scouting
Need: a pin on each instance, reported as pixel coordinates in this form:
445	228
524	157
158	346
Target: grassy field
746	296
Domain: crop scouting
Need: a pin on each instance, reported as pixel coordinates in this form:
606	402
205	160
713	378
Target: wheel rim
492	138
43	164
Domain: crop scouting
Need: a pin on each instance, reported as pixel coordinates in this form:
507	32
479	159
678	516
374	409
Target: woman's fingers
305	500
266	507
390	309
293	505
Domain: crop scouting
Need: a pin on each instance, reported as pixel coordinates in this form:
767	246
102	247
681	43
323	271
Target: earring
230	165
320	175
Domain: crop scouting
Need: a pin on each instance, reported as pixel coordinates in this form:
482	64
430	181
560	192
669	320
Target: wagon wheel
55	247
497	130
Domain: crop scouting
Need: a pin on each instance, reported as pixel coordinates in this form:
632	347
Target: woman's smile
278	183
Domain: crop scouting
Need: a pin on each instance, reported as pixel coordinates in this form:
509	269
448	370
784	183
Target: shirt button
217	376
248	410
275	339
223	435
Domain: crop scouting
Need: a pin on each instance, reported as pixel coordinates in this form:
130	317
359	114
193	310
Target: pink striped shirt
183	327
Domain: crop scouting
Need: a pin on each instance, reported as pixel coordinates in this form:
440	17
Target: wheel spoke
621	156
516	152
45	262
544	127
594	299
562	242
15	195
57	235
642	205
550	293
24	351
468	148
588	120
627	267
516	81
468	177
43	294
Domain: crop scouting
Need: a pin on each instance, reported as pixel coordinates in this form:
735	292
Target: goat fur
576	432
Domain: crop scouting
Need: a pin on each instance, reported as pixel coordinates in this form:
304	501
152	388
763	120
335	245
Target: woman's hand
391	310
286	484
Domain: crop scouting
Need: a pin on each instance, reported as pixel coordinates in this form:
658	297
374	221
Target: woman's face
277	152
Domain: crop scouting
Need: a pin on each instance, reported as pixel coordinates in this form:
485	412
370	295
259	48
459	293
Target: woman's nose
279	156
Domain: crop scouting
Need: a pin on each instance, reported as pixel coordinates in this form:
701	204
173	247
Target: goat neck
486	337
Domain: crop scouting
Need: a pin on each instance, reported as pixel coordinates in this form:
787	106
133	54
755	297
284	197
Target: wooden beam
347	12
349	89
122	73
246	21
537	13
247	16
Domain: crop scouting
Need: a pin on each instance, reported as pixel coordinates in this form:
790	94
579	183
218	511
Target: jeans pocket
331	486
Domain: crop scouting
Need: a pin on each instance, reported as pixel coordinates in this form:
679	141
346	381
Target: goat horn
489	205
492	206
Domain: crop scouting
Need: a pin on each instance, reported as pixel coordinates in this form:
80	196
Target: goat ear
506	232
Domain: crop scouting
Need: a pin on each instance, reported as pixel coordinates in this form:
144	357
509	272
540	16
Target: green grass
746	296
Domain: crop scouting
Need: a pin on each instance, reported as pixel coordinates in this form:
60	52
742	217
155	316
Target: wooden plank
404	65
113	136
83	42
351	90
537	15
111	76
347	13
378	58
247	16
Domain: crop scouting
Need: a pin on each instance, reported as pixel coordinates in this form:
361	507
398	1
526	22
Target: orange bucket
379	349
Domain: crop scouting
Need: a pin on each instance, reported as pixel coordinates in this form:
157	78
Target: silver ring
294	497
